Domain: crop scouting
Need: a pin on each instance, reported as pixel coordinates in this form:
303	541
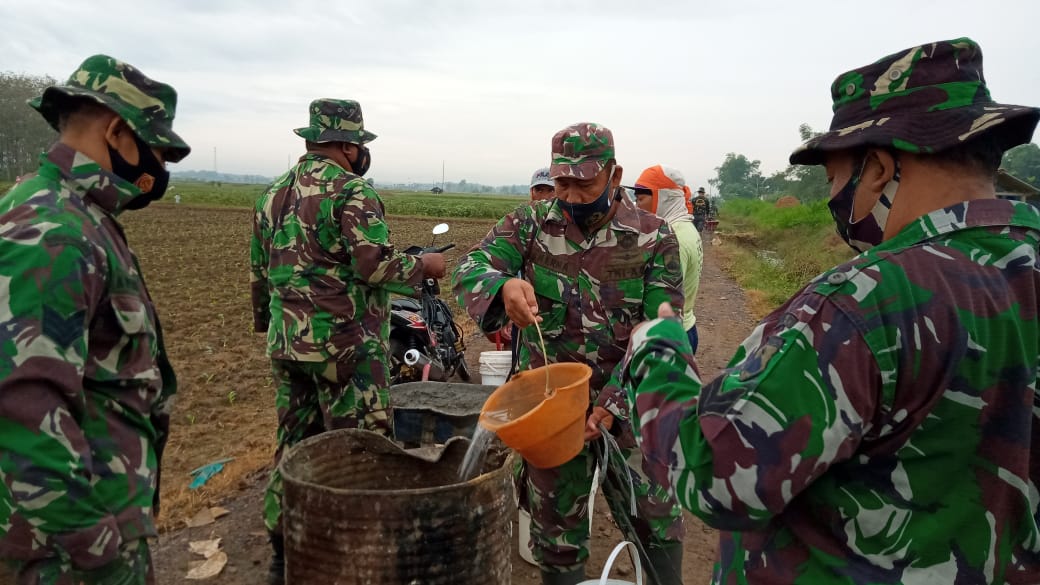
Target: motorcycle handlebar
417	251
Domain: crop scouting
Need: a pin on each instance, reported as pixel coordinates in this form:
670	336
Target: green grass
449	204
222	195
396	202
5	186
801	239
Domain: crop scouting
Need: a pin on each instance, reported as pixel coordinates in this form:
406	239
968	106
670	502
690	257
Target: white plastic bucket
494	367
604	579
524	529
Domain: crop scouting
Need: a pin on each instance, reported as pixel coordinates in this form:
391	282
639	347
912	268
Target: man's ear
120	137
113	130
879	169
618	171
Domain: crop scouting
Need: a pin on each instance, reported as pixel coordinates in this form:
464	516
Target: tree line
739	177
24	134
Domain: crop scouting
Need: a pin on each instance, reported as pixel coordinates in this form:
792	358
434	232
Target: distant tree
807	183
24	134
1024	162
738	176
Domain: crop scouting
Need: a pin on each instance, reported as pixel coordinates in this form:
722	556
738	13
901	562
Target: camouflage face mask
868	232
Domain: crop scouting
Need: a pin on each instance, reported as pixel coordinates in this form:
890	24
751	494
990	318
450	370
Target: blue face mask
589	215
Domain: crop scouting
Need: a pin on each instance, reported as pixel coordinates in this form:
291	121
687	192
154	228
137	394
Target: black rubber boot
666	564
569	578
276	572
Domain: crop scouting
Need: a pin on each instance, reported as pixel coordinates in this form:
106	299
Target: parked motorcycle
425	341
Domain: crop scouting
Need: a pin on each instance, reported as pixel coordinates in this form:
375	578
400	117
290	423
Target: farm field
195	259
409	203
196	263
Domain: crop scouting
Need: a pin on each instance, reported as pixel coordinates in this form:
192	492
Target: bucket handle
632	552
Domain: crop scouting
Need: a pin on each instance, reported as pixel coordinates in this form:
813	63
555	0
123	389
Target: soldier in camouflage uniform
593	266
85	384
323	269
879	427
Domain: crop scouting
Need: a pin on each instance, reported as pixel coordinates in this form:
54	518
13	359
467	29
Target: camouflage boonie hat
581	151
146	105
923	100
336	121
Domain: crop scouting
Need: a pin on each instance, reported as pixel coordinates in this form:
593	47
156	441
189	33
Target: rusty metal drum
359	509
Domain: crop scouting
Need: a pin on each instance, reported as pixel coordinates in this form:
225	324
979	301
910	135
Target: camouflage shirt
322	264
591	290
84	380
700	206
879	427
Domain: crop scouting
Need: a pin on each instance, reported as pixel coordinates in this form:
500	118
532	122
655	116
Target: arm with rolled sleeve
44	455
480	274
791	405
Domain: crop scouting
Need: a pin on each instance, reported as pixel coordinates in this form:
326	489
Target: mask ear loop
855	181
887	198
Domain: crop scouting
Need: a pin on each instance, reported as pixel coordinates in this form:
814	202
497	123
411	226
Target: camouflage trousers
133	567
314	397
558	500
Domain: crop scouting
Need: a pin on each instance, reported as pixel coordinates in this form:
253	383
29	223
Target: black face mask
588	215
147	171
363	160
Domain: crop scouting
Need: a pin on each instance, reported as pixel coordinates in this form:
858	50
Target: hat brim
318	135
925	133
547	183
582	171
157	134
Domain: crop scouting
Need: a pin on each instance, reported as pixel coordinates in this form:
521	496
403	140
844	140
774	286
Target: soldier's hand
520	303
433	265
665	310
599	416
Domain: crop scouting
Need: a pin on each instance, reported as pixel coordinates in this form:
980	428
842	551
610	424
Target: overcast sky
483	85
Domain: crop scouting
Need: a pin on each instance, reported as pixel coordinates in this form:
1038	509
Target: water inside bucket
516	405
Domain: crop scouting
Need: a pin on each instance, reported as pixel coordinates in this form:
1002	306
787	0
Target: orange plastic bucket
547	432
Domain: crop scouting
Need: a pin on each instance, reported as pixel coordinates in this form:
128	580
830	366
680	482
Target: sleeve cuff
93	547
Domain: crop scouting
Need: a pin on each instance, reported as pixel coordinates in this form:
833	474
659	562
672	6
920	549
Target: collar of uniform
87	179
322	159
625	220
969	214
